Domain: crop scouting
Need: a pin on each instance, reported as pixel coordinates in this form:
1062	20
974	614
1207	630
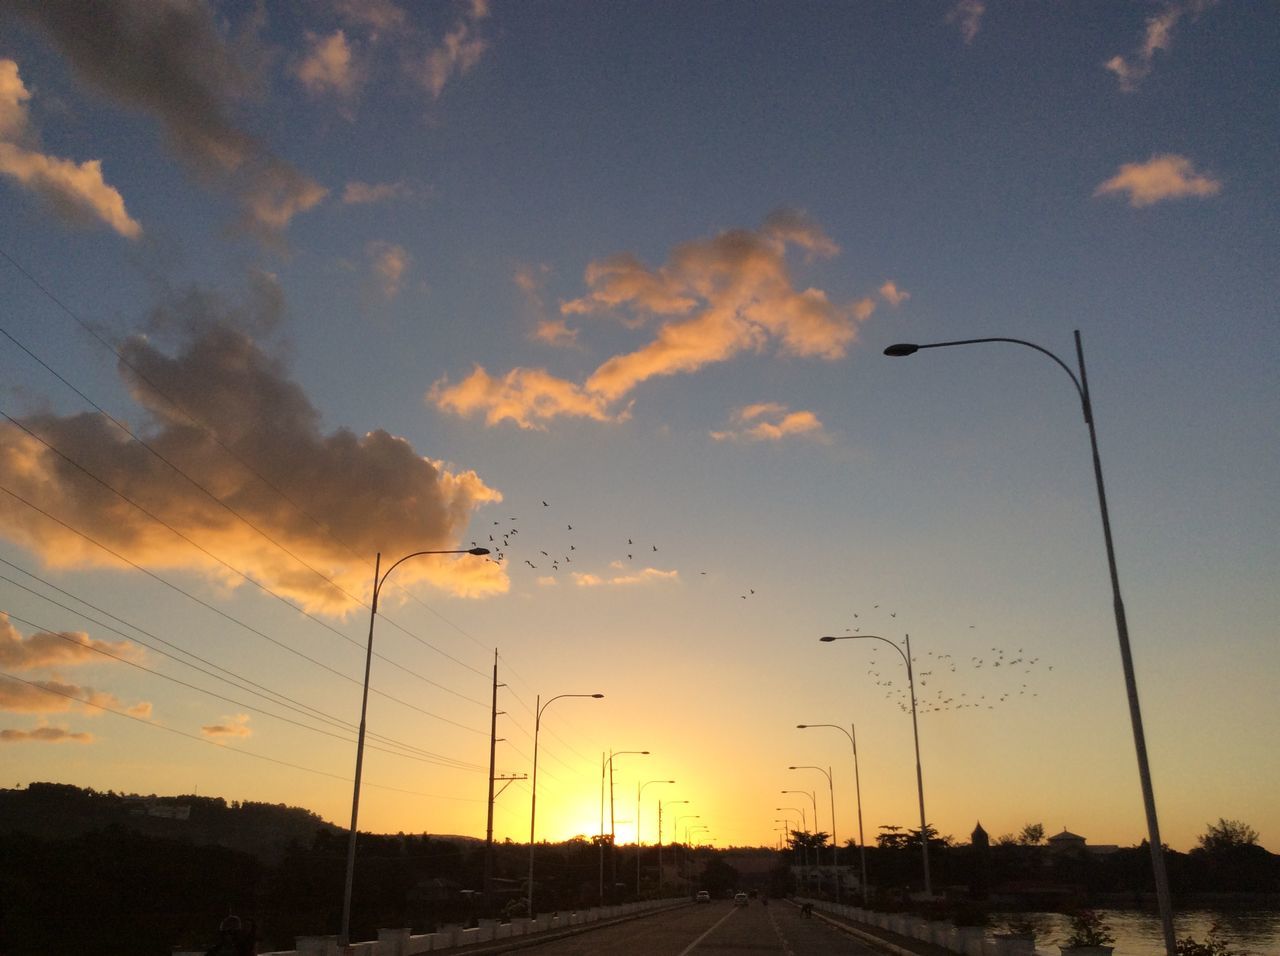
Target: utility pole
493	746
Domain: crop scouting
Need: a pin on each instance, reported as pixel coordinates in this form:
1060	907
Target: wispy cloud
644	576
770	421
328	67
712	300
389	263
358	193
44	734
459	50
892	294
968	14
347	494
1157	37
170	59
76	191
233	726
46	649
1160	178
55	696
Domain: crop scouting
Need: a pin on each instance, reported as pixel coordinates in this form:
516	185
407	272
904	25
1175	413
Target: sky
605	288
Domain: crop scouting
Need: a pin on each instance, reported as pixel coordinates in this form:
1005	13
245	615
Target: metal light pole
852	734
670	803
915	729
606	766
639	790
831	788
378	581
1122	627
539	707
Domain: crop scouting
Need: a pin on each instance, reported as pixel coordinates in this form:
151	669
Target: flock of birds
994	678
552	557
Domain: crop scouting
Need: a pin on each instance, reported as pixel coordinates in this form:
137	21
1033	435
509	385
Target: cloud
1161	177
645	576
328	67
389	262
348	495
45	649
458	52
770	421
375	15
712	300
1158	36
530	279
169	59
357	193
231	726
54	696
76	191
44	734
892	294
968	14
527	397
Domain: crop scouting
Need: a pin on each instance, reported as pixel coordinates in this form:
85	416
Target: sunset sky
605	287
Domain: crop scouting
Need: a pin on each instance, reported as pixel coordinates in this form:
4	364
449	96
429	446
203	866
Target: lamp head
793	768
597	697
901	350
826	640
802	726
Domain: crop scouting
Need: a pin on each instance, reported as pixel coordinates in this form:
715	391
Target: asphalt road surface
716	929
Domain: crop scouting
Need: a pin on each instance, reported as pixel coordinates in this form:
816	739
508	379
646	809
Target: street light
831	788
670	803
539	707
1122	627
915	729
639	790
804	826
814	800
613	853
378	580
852	734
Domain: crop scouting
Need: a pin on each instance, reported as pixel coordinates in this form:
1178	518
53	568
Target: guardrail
401	942
965	940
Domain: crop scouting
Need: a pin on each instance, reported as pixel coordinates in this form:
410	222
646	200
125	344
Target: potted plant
1090	936
1018	936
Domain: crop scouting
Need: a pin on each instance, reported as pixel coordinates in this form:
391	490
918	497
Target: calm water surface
1138	934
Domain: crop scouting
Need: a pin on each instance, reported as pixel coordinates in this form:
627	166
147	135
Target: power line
235	750
229	617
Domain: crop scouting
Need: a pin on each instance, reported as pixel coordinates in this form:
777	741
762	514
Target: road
719	928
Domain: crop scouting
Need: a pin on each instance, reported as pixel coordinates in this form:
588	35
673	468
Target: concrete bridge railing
401	942
965	940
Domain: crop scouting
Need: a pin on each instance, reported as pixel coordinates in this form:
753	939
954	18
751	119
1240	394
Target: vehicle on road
702	897
740	899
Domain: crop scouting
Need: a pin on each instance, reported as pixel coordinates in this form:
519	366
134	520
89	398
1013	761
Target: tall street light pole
639	790
831	788
606	769
378	580
539	707
670	803
852	734
915	729
1122	627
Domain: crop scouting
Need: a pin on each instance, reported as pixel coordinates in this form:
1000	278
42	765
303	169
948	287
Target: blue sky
386	277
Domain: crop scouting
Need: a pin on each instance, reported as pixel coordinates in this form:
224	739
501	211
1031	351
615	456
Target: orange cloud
458	52
54	696
389	262
769	421
645	576
1161	177
328	66
525	396
1157	37
968	14
76	191
232	726
716	298
45	649
293	504
44	734
892	294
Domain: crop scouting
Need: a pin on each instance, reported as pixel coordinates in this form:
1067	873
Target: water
1256	933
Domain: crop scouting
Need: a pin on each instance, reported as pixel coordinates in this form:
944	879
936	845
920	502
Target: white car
740	899
702	897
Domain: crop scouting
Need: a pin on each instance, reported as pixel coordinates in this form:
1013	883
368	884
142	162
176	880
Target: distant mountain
58	811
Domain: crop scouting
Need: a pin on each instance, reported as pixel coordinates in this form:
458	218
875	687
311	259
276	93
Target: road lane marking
694	945
786	946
